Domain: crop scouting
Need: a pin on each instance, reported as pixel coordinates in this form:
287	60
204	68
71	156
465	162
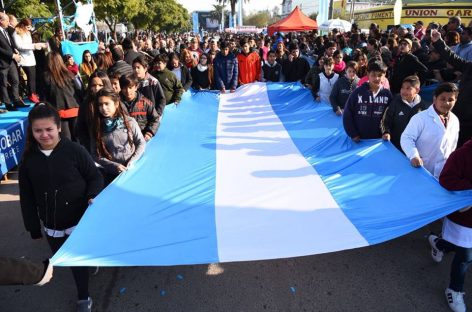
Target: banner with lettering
383	15
12	139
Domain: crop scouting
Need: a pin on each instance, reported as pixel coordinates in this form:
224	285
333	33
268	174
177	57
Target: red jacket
249	68
457	176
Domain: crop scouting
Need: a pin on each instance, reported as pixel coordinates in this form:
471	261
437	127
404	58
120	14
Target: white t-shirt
46	152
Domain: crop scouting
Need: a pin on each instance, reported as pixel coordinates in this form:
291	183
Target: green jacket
171	86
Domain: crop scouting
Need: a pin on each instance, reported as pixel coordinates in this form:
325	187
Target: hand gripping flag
262	173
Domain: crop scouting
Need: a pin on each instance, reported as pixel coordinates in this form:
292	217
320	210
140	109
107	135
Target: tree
259	19
113	12
217	12
233	7
29	8
162	15
313	16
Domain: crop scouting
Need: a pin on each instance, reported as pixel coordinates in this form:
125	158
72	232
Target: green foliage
261	19
29	8
313	16
162	15
113	12
217	12
232	4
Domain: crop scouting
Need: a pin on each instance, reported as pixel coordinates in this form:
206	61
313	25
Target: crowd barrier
12	138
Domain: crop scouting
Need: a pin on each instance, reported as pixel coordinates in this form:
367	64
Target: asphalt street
395	276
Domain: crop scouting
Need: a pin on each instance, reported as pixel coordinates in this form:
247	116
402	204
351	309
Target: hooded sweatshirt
342	89
249	67
363	112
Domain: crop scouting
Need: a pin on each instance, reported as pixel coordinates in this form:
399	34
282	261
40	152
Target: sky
250	6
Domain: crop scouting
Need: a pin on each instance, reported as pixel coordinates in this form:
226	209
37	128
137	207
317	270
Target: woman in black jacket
58	180
201	78
62	92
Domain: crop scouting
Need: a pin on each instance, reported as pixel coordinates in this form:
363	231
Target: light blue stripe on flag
373	183
162	211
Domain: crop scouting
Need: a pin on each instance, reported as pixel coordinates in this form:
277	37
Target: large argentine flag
262	173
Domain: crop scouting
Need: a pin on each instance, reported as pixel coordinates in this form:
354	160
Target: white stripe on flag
270	202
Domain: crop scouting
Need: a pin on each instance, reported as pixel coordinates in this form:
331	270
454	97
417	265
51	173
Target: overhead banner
408	11
262	173
76	49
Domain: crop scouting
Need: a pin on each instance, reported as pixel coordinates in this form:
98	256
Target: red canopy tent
295	21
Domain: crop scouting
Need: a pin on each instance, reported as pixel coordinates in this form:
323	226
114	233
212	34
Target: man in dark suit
9	57
12	24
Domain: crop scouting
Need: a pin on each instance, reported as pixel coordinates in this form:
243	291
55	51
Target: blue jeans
460	264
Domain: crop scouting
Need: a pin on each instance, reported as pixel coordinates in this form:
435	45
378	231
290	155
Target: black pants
81	274
460	264
68	128
9	75
30	72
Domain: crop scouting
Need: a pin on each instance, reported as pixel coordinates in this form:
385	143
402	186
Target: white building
307	6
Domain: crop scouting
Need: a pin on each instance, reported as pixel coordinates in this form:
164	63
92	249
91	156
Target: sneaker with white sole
455	300
84	305
436	254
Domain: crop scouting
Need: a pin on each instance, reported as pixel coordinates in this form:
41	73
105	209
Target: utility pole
222	26
60	15
240	13
330	10
351	12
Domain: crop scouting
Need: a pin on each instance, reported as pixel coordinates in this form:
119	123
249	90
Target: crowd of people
113	102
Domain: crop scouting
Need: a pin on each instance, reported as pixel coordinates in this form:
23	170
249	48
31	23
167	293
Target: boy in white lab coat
431	136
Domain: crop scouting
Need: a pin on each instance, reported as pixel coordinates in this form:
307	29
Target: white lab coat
427	138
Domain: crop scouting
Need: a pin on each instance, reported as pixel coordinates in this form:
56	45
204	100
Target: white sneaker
436	254
84	305
455	299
